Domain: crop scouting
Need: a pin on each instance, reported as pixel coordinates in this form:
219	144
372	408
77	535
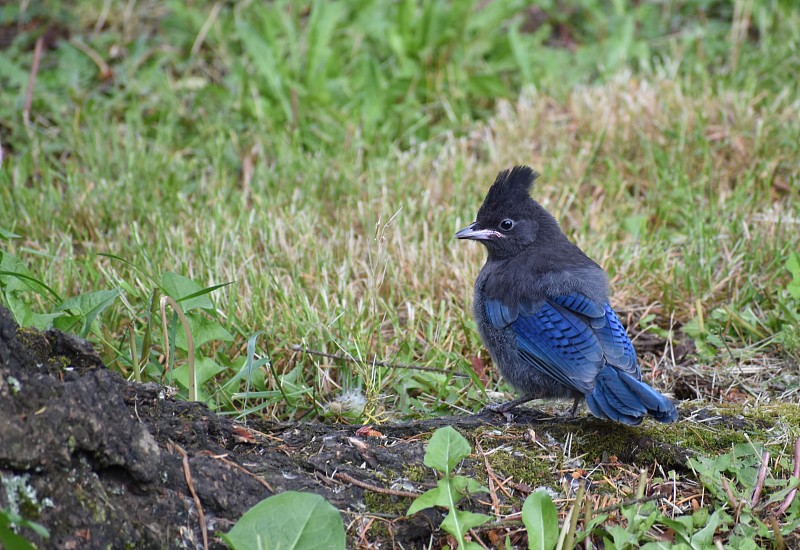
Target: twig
374	361
137	372
762	474
736	504
374	488
731	498
37	57
101	19
587	518
102	67
241	468
562	536
796	473
189	341
187	473
780	544
492	479
209	22
569	542
642	483
477	539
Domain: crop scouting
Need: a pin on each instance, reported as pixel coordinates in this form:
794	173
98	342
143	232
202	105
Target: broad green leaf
743	543
466	486
682	527
203	330
179	287
205	370
84	309
448	491
541	520
786	487
446	449
793	265
10	539
705	536
25	316
289	521
458	522
620	538
444	494
428	499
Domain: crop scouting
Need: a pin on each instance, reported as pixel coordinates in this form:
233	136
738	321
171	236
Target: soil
99	461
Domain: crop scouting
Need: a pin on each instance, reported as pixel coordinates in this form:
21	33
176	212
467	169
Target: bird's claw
500	408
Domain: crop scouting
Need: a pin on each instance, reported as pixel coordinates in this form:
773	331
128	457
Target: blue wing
569	338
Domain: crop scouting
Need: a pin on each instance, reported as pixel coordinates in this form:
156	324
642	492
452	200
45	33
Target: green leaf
264	59
205	370
621	538
5	234
14	275
25	316
11	540
203	330
429	499
743	543
682	526
521	52
466	485
288	521
446	449
180	288
448	491
324	18
589	528
457	523
84	309
705	536
793	265
541	520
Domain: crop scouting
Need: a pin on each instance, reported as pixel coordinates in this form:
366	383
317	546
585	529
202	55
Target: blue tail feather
619	396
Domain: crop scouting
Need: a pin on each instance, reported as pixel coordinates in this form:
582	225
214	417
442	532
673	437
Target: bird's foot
500	408
505	408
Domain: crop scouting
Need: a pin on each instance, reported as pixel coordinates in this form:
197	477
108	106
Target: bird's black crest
511	187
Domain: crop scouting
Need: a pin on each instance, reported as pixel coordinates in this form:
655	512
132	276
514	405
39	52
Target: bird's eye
507	224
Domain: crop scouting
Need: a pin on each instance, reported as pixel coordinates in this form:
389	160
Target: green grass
319	157
293	173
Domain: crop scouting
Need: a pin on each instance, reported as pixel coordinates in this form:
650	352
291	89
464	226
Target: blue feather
500	315
582	344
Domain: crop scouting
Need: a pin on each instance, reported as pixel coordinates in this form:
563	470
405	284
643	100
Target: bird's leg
503	408
575	407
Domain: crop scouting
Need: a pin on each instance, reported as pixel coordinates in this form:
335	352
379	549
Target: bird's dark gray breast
504	349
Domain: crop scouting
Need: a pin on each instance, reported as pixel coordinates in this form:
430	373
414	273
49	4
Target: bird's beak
472	231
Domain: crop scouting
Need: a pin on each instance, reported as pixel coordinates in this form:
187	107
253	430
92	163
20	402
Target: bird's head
509	220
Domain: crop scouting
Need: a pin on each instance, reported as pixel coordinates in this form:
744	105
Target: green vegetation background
299	168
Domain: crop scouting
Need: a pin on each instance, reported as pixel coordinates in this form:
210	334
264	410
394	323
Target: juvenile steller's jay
541	306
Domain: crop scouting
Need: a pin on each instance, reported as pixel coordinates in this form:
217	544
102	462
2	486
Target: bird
542	309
